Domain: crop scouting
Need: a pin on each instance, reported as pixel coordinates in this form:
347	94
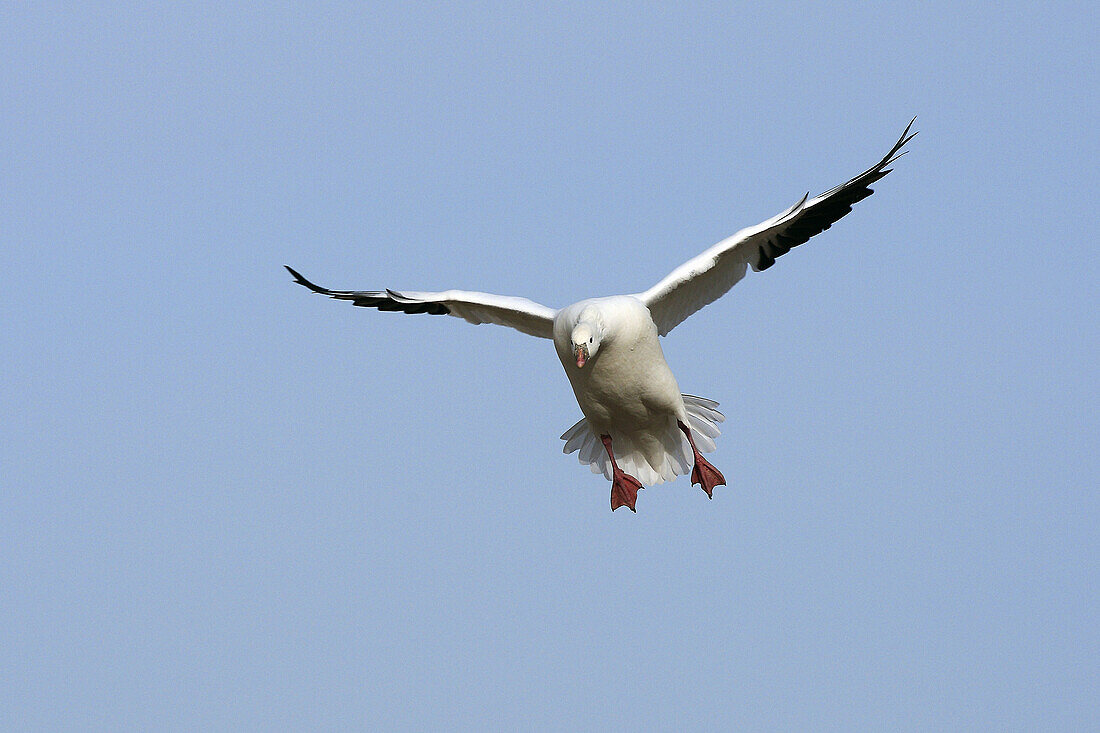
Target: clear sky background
228	503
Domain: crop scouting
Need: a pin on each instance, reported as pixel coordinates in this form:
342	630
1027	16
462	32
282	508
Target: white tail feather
675	458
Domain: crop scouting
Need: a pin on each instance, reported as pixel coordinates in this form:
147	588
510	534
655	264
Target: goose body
638	428
626	390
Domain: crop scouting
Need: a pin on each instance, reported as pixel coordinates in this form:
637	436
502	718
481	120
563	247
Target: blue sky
227	503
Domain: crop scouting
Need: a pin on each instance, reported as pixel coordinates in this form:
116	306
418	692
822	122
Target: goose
638	428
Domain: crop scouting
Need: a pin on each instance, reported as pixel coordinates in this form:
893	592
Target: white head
585	341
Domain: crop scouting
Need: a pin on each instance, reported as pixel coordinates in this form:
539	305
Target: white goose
637	427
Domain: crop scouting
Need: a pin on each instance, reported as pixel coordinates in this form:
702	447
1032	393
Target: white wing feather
518	313
706	277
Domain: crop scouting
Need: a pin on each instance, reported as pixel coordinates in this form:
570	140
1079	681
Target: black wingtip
896	151
302	281
905	136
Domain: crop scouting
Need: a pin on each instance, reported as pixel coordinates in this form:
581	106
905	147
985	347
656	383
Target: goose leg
704	474
624	487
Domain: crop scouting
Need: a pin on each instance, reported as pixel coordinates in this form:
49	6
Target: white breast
627	387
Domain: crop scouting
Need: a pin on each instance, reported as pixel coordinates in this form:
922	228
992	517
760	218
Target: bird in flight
638	428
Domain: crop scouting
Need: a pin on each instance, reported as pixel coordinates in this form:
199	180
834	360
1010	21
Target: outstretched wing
518	313
705	278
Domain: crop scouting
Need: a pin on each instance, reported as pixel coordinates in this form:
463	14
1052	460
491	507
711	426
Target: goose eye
590	340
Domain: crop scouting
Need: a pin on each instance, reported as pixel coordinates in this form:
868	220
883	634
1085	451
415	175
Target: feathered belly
628	391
